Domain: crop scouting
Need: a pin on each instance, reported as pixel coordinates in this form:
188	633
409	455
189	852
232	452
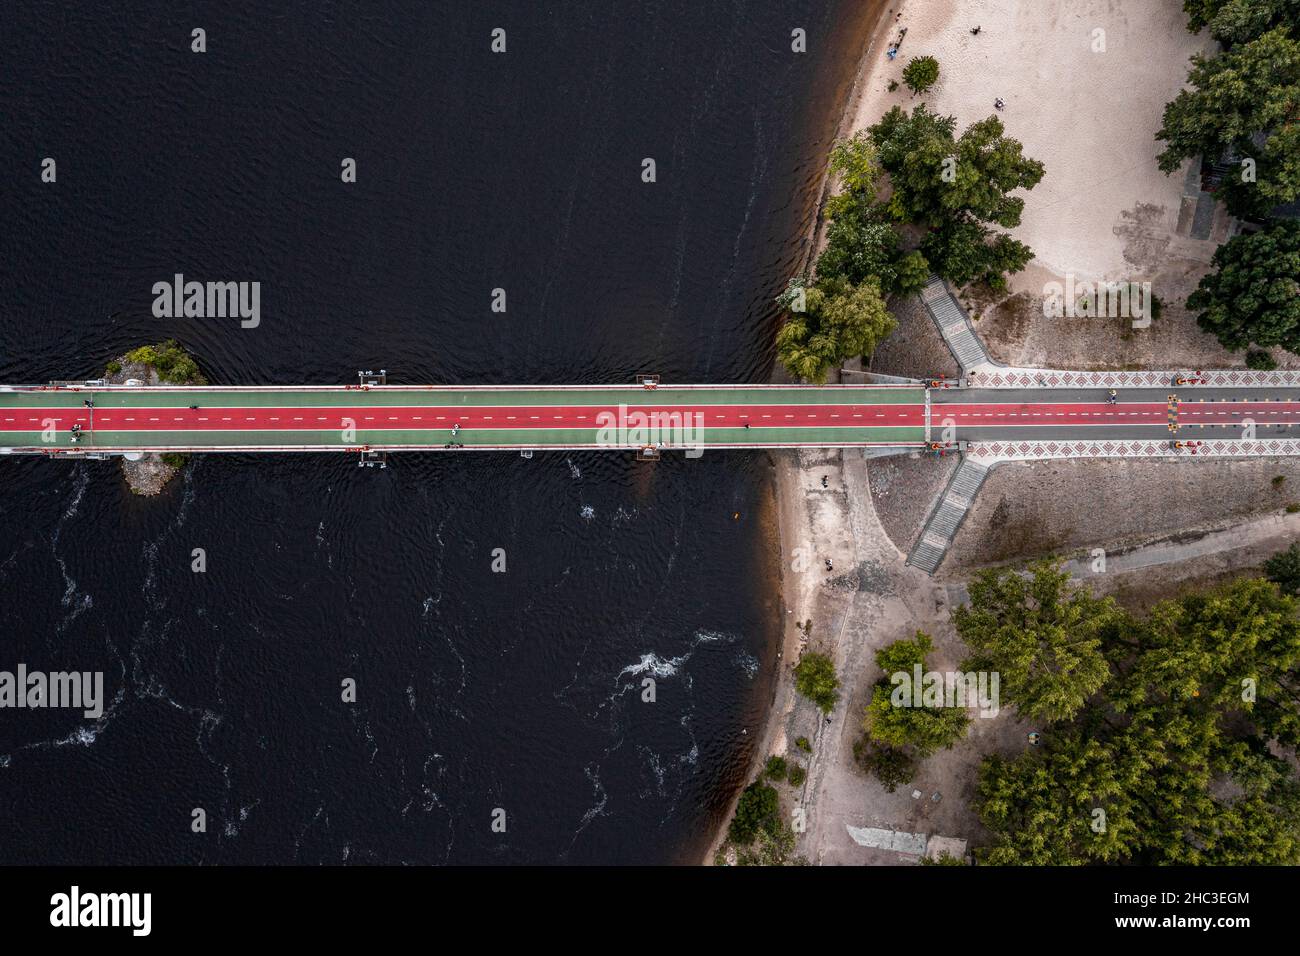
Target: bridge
1010	415
77	419
990	415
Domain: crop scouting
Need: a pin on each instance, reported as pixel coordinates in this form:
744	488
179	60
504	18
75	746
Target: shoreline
791	504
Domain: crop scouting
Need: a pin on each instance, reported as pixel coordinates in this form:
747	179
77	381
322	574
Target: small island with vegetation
166	363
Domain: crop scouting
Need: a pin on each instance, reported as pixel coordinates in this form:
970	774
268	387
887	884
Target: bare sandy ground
1039	509
1103	209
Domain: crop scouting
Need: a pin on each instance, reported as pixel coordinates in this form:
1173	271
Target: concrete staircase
954	325
947	516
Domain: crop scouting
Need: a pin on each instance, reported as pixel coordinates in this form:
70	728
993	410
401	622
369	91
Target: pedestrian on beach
999	103
975	31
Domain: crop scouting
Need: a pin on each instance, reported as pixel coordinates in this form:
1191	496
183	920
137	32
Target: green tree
855	163
1260	360
758	810
1240	99
1239	21
1041	635
1254	293
1283	569
1173	750
1043	805
956	187
936	178
921	73
863	246
892	766
814	677
840	321
172	363
964	251
861	243
903	720
772	848
1217	648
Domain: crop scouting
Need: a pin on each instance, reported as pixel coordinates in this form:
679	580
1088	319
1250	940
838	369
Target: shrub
1260	360
1283	569
892	766
113	367
921	73
171	362
803	744
758	810
814	677
797	775
776	767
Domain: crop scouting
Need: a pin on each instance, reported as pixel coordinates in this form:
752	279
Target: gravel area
915	349
1032	510
904	490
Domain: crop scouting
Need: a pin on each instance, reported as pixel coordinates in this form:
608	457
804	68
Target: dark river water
476	691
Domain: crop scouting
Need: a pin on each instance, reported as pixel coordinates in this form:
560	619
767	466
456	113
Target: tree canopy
1169	760
936	177
815	678
1041	634
1242	103
757	810
945	190
914	725
839	321
1253	294
1239	21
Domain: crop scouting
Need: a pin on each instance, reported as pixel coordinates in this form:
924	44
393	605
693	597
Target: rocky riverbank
164	364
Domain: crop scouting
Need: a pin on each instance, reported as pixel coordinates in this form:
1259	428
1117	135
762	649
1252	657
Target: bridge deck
332	418
40	419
